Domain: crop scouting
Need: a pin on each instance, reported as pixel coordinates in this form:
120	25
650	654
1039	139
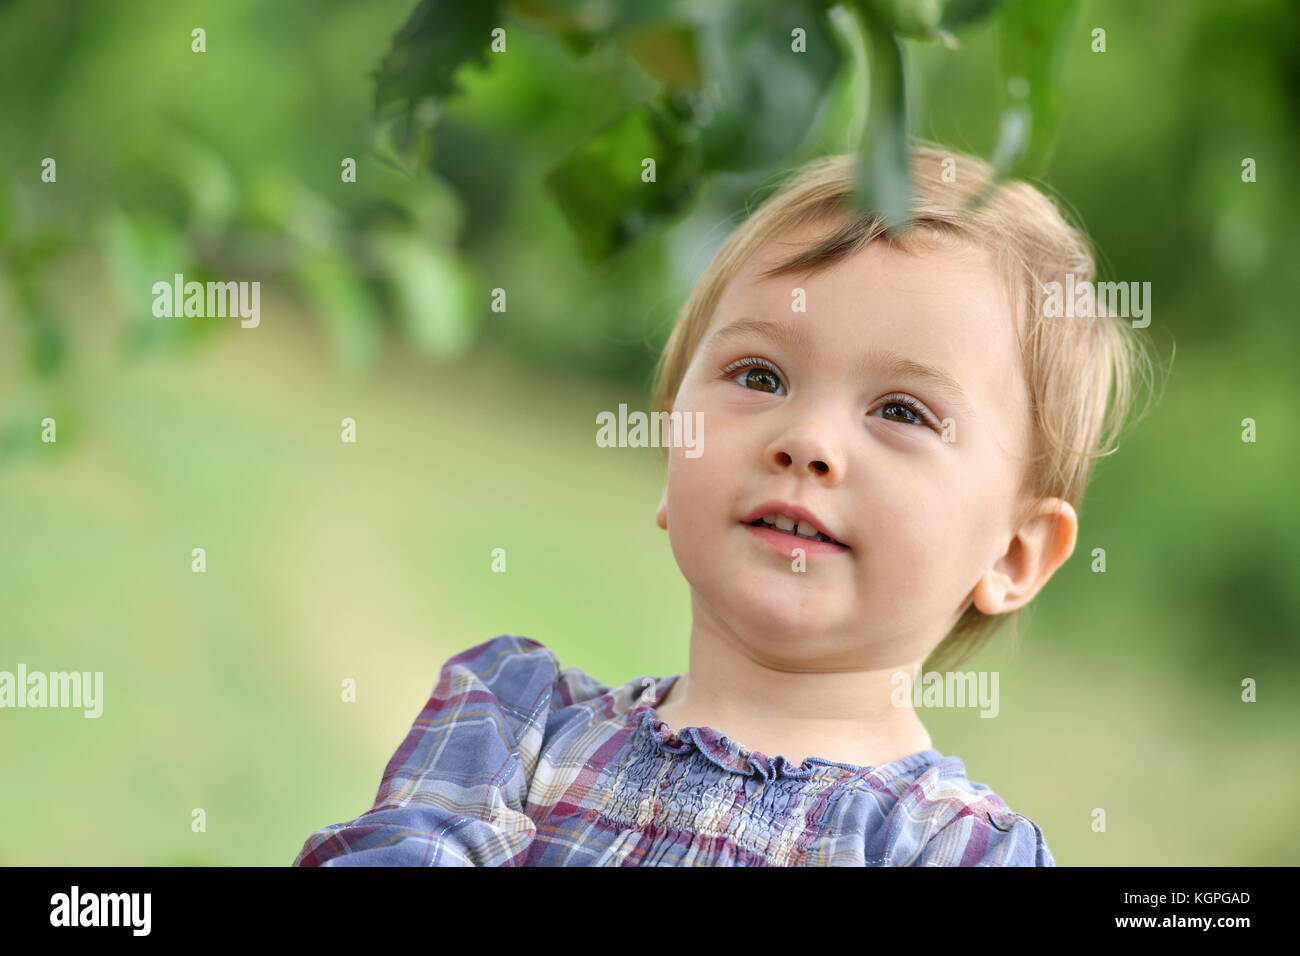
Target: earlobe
990	592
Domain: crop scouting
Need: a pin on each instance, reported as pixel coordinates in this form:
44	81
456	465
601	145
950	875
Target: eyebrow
797	338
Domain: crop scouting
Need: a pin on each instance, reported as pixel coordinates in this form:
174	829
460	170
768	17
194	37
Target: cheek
917	524
951	525
696	512
703	494
711	474
693	489
913	551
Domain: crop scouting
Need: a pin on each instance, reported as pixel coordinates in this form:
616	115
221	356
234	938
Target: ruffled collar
731	755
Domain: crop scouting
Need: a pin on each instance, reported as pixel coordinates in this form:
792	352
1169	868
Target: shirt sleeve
987	839
453	794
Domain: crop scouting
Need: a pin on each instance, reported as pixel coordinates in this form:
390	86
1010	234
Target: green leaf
919	19
599	19
599	185
884	183
143	248
438	38
579	44
929	19
213	191
584	25
343	301
403	141
1032	44
1014	127
961	13
558	16
761	96
668	52
440	300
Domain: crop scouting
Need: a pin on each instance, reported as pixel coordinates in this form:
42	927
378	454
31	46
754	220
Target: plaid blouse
515	761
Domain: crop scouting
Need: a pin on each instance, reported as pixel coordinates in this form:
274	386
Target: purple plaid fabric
515	761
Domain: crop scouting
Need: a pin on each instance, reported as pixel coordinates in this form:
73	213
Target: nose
807	446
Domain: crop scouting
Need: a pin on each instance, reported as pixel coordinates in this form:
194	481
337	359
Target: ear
1039	547
661	513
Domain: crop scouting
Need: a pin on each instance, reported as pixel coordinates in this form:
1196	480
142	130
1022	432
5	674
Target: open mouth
795	532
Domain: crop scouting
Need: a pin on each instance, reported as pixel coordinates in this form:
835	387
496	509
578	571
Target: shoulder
488	709
946	819
504	652
508	672
521	676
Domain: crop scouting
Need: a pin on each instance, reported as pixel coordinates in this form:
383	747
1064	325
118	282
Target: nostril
783	458
821	466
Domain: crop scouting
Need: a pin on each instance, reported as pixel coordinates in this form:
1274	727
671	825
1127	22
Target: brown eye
760	379
755	374
907	412
907	415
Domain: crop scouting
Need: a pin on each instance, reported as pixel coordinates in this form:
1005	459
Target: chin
768	608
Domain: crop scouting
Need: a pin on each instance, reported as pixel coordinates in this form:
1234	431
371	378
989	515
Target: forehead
934	271
943	303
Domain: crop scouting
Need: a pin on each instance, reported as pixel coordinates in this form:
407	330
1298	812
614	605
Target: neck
833	706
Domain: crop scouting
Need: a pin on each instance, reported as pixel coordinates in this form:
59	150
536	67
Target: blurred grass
371	561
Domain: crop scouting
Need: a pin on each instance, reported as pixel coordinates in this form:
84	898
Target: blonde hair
1080	374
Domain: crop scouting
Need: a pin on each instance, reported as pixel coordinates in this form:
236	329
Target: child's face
924	518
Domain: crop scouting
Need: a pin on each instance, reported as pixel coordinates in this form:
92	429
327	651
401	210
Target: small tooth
808	531
770	517
784	523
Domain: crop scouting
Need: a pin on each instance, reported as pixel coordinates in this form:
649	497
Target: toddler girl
896	434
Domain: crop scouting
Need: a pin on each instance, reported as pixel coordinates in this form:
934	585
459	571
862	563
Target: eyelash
895	398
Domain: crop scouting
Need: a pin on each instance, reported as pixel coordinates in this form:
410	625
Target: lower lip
786	543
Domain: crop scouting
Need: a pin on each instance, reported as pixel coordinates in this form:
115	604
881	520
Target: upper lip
795	513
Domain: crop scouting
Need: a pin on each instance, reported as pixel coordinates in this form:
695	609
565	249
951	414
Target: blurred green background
371	561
